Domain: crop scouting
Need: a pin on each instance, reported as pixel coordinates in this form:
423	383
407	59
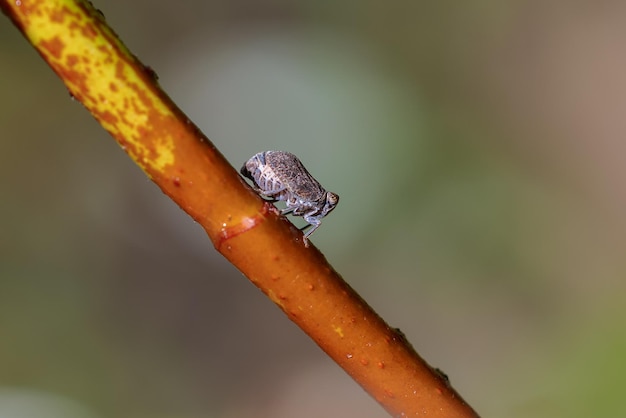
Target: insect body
280	175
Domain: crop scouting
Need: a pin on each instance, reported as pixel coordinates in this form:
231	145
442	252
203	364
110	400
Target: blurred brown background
479	153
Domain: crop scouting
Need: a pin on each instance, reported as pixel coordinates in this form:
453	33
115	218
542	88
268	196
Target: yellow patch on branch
338	330
104	76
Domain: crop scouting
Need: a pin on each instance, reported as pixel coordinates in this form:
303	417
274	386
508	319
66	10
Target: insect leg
314	223
313	226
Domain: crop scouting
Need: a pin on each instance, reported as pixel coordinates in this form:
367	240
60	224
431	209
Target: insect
280	175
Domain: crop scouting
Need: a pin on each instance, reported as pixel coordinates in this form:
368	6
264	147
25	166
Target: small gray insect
280	175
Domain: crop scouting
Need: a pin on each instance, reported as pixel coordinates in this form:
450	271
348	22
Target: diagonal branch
123	95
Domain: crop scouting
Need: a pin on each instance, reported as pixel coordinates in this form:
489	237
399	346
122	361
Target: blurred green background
478	149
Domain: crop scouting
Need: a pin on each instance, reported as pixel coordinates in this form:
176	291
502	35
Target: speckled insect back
280	175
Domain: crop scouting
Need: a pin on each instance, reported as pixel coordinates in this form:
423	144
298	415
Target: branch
123	95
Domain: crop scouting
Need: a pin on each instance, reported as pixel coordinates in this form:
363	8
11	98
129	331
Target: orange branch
122	94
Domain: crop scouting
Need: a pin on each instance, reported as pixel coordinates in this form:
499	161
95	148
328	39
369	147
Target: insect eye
332	199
